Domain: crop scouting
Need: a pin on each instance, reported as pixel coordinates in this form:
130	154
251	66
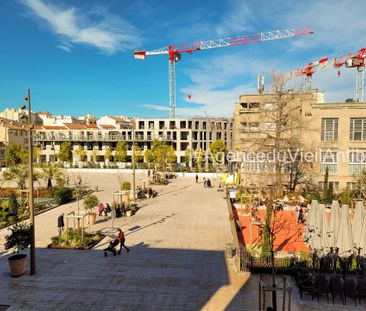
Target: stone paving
177	259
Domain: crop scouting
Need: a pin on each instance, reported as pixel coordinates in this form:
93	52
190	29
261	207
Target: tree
188	157
198	159
138	154
278	134
93	156
327	197
19	174
65	153
80	151
15	155
218	151
90	202
149	156
50	171
108	154
170	154
121	151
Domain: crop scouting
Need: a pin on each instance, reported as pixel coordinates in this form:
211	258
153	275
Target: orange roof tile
75	126
54	127
107	126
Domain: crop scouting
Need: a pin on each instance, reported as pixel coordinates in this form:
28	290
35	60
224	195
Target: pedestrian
122	239
60	223
148	173
196	178
107	209
208	183
204	182
101	209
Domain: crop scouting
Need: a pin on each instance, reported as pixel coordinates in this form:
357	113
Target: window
269	126
356	162
250	126
357	129
329	160
268	106
329	129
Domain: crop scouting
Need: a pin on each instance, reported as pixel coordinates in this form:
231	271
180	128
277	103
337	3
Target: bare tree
276	132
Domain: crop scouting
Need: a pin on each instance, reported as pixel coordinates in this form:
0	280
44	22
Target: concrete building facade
95	139
333	135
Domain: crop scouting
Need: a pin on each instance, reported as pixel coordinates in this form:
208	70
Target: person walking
204	182
196	178
60	223
121	238
208	183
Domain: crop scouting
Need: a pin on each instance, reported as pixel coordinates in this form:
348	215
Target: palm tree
50	171
19	174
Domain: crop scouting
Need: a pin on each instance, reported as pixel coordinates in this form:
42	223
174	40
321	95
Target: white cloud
64	47
109	35
338	26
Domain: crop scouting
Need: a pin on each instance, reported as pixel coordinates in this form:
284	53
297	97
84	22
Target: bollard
229	250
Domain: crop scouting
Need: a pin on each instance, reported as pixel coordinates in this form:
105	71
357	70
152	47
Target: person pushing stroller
119	239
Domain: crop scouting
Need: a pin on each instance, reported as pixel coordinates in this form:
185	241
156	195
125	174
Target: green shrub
62	195
75	240
20	237
125	186
13	205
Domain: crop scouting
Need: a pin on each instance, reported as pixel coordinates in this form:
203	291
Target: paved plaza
177	259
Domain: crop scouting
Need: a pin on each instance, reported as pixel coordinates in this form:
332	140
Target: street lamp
30	172
133	164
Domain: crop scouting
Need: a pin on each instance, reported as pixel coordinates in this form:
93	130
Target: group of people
206	182
118	239
104	209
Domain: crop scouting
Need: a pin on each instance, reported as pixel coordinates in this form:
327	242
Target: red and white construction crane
308	71
349	61
175	53
358	61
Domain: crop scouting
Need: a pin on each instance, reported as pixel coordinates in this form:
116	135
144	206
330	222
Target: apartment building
95	138
11	133
332	135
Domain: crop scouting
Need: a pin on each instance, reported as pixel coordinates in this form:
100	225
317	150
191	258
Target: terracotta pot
17	264
126	196
92	218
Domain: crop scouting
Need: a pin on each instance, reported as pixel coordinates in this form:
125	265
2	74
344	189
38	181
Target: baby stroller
111	247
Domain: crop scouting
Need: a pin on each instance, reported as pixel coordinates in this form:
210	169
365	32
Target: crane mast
175	53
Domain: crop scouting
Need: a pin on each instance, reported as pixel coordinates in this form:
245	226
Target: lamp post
30	172
133	164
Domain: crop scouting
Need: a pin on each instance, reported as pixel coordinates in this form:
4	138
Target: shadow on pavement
144	279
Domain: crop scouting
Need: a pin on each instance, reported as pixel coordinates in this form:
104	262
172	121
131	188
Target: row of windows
330	129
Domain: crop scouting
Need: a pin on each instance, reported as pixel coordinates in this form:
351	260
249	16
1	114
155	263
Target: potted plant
19	239
90	202
126	191
131	209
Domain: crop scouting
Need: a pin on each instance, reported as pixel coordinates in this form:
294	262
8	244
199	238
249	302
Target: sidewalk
177	259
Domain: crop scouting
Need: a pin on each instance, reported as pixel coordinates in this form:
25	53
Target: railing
234	234
265	286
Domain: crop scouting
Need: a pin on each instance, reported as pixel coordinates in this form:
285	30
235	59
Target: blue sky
77	56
